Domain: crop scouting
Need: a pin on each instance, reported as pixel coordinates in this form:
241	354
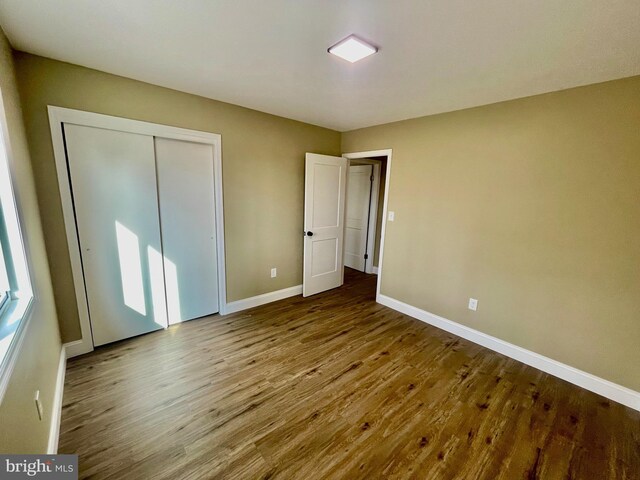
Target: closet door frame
59	116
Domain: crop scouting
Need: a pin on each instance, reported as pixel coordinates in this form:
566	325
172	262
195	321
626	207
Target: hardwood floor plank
332	386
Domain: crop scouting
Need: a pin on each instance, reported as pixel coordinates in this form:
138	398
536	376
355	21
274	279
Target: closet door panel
187	218
113	179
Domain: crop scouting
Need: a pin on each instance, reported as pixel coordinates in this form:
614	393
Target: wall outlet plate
392	216
274	272
473	304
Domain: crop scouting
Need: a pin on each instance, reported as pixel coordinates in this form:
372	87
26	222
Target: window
15	286
4	280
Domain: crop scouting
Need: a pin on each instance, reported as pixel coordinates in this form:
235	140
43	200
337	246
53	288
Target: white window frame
15	311
5	292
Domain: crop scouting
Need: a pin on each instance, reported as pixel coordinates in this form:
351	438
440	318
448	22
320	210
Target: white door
187	219
113	178
357	217
324	200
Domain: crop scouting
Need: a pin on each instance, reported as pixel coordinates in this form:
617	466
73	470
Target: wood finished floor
334	386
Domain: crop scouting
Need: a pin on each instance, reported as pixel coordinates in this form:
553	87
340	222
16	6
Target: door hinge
371	178
366	256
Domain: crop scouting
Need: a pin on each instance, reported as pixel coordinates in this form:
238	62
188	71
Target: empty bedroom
284	239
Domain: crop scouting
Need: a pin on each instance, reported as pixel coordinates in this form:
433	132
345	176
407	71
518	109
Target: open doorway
325	232
363	213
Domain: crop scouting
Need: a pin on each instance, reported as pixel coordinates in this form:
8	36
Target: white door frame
365	157
373	210
58	116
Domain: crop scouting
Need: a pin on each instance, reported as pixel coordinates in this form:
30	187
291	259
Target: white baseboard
56	409
374	270
258	300
598	385
78	347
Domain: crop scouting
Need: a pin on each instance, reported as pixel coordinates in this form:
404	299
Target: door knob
309	234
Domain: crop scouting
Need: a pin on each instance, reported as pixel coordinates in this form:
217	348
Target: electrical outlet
473	304
39	405
274	272
392	216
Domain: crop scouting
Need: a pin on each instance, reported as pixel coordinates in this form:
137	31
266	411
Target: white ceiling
271	55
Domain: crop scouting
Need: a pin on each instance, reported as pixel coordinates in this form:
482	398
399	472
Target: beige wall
531	206
37	363
263	170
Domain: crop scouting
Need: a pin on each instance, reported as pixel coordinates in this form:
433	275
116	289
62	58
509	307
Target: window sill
14	318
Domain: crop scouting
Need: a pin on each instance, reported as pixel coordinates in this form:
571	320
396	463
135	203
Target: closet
144	210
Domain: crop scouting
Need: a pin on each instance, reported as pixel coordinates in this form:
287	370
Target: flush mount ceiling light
352	49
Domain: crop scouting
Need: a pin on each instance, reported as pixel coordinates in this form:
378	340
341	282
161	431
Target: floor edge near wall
56	409
610	390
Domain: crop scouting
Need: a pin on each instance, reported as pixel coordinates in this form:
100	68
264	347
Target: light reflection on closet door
113	179
187	218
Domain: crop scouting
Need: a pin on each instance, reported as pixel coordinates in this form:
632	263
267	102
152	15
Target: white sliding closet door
187	217
113	178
